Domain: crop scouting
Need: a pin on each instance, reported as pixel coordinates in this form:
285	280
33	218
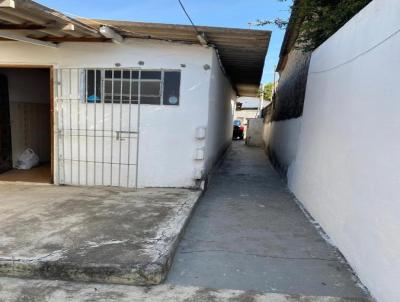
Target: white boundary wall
168	133
281	138
347	169
254	132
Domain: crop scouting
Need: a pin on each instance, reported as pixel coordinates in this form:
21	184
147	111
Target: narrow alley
248	233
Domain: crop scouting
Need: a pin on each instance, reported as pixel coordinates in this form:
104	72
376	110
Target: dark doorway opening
25	122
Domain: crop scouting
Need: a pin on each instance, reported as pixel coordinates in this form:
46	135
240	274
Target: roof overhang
241	52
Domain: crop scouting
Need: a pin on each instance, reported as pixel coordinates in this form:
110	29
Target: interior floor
39	174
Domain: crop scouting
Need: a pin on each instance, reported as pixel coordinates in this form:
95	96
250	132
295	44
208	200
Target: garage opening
25	125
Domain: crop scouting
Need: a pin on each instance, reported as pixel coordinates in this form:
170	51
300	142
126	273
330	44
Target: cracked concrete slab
16	290
248	233
91	234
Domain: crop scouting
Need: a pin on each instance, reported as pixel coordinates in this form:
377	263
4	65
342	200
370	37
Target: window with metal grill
116	86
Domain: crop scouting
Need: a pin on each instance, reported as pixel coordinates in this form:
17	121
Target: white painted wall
281	138
167	143
254	132
249	102
347	169
248	111
220	117
244	115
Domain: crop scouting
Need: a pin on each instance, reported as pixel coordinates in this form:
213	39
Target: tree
322	18
268	91
318	19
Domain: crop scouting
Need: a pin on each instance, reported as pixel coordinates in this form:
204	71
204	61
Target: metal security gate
98	126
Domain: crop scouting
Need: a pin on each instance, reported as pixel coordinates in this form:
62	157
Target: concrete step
13	290
91	234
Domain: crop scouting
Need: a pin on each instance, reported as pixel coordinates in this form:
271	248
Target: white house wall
167	133
346	172
245	114
220	114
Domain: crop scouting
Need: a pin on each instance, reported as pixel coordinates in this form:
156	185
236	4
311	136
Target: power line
359	55
187	15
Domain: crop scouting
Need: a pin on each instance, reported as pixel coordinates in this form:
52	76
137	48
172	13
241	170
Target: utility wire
359	55
187	15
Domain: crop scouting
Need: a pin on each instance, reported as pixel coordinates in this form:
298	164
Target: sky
225	13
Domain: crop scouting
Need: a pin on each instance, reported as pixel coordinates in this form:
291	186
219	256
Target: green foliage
318	19
268	91
278	22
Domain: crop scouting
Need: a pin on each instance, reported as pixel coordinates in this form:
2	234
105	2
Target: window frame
133	99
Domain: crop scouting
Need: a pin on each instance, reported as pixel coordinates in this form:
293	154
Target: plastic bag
27	160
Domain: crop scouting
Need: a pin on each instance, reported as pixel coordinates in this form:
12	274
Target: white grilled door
98	122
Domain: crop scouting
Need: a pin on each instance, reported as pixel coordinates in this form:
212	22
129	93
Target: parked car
238	130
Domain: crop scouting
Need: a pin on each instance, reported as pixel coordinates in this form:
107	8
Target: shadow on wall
282	119
281	140
288	101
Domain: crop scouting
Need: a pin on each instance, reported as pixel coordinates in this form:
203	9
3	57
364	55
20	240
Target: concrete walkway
248	233
23	290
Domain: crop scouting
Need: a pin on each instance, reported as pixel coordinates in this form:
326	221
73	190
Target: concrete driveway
91	234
